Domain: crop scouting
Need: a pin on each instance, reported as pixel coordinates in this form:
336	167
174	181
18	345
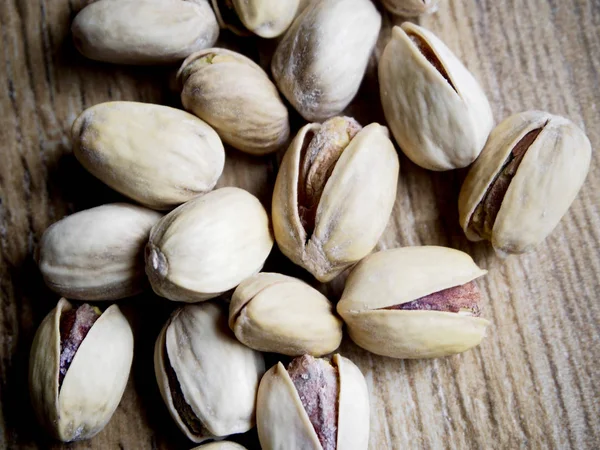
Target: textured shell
97	254
411	8
156	155
546	183
394	277
437	127
266	18
218	376
208	245
95	381
144	31
320	62
283	423
353	211
236	97
275	313
220	445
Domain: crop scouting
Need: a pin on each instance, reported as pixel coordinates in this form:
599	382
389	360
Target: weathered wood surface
533	383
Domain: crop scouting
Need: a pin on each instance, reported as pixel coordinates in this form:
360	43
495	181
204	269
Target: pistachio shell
353	210
144	31
275	313
208	245
235	96
541	191
97	254
217	376
395	277
156	155
220	445
438	113
266	18
94	382
410	8
321	60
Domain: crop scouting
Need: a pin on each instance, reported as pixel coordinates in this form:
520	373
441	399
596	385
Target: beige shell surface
321	60
275	313
218	376
438	125
97	254
354	208
156	155
236	97
266	18
144	31
410	8
546	182
95	381
208	245
220	445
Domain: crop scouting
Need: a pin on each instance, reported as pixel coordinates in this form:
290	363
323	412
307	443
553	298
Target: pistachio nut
313	405
411	8
414	302
144	31
97	254
78	368
275	313
207	378
525	180
435	108
334	194
321	60
236	97
208	245
156	155
220	445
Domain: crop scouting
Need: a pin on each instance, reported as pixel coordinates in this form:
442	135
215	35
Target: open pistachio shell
220	445
414	302
411	8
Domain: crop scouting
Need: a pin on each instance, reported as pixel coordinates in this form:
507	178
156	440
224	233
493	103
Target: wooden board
531	384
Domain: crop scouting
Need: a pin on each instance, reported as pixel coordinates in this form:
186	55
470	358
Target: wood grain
533	381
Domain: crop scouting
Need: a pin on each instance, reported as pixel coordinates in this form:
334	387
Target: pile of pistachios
333	196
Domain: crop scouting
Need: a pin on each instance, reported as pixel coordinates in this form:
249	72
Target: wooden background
533	383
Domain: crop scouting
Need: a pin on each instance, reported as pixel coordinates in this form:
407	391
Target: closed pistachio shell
438	113
334	194
275	313
266	18
414	302
525	180
236	97
208	246
209	384
144	31
78	369
220	445
411	8
321	60
97	254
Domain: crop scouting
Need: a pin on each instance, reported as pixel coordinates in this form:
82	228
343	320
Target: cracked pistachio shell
220	445
156	155
94	383
283	423
144	31
208	245
97	254
217	377
237	98
275	313
321	60
410	8
547	180
353	210
438	113
394	277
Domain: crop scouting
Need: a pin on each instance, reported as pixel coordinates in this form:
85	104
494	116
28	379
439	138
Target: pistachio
144	31
275	313
313	405
411	8
334	194
97	254
220	445
156	155
78	369
414	302
438	113
208	246
321	60
235	96
209	384
525	180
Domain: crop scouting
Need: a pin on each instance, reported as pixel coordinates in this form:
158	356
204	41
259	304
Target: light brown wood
533	382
